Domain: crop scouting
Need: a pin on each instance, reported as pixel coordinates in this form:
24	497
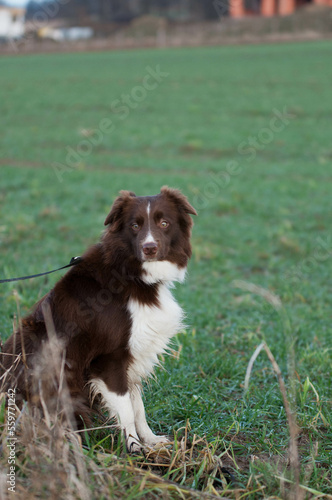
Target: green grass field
245	132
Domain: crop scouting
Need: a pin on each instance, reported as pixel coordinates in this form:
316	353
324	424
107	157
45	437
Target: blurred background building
108	24
125	11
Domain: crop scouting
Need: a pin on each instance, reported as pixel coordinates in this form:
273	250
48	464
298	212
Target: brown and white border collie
114	311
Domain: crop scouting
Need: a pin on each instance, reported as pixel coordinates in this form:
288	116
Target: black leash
73	262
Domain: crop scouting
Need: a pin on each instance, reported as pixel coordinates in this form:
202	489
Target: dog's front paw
134	446
157	441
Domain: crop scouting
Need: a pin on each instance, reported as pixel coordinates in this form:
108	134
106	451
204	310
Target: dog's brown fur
88	304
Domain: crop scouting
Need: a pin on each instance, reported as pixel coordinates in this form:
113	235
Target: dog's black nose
150	248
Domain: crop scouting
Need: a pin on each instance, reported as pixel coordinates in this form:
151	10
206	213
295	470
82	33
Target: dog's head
154	228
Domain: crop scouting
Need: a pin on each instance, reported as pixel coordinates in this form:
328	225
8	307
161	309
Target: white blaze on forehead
149	237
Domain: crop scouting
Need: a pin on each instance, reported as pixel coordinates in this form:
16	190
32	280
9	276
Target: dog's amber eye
135	226
164	223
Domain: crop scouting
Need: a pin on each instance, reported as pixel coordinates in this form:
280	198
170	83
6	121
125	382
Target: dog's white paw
134	446
157	441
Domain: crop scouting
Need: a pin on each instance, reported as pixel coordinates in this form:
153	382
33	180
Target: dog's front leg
120	406
145	433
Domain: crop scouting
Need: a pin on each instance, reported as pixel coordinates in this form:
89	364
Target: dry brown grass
52	461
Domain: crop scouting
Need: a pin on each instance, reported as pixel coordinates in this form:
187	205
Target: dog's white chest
152	328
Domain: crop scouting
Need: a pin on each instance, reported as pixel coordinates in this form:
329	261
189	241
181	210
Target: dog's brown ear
117	208
179	198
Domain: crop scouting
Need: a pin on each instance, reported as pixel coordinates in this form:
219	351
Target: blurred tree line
122	11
